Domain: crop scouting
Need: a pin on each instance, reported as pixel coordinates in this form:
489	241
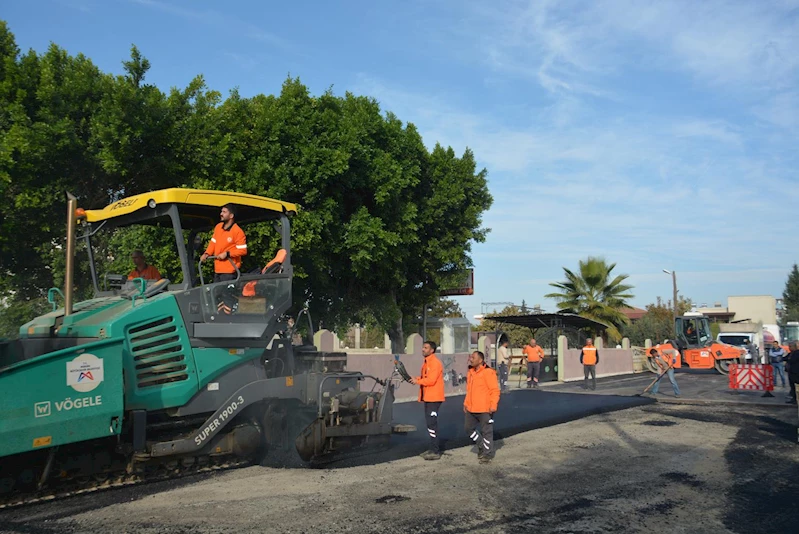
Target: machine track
80	486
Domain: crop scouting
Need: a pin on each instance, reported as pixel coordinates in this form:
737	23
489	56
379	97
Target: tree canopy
657	324
383	225
790	296
595	293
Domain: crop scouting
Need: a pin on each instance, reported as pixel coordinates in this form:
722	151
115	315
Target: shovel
656	380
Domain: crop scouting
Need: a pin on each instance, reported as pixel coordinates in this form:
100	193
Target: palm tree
593	294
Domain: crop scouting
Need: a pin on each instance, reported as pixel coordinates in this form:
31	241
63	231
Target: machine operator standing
431	393
228	241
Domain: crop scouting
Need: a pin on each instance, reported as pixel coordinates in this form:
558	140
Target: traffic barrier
752	376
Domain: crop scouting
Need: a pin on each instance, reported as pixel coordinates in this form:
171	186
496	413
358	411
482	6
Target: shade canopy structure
550	320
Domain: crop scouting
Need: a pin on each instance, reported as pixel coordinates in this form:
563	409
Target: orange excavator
694	343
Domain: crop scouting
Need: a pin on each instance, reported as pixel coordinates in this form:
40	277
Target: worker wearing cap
480	404
666	365
534	354
589	357
228	242
431	393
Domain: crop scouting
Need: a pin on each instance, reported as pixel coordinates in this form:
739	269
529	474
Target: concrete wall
381	364
612	362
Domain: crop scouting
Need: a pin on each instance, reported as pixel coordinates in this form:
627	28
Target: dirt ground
654	468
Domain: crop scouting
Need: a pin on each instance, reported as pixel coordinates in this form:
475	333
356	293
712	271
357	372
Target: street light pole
674	287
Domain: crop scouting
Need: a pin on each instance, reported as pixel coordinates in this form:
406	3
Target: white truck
737	334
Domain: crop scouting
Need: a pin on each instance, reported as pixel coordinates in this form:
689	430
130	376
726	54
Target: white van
738	339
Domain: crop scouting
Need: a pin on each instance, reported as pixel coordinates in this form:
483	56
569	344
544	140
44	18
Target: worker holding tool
503	363
534	354
666	366
482	400
431	393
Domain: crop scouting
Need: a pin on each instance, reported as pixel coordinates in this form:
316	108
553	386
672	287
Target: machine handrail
200	268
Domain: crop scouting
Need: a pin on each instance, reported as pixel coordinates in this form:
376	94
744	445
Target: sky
656	134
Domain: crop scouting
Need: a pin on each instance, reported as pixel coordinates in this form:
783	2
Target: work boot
486	459
790	401
431	455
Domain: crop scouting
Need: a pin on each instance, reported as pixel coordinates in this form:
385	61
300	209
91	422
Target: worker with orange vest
142	268
431	393
589	357
228	242
534	354
482	400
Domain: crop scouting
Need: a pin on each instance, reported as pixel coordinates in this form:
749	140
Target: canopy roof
549	320
198	208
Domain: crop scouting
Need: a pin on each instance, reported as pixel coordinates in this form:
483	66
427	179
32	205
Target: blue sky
660	135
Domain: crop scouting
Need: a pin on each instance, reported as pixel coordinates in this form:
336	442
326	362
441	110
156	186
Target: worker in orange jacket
589	357
482	400
228	242
431	393
534	354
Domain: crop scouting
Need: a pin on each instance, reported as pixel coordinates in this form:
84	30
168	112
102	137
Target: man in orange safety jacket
431	393
228	242
534	354
589	357
482	399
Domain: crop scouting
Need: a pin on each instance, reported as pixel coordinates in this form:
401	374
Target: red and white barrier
752	376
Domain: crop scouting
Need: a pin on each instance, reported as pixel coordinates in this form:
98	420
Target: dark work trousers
793	379
533	369
484	437
431	415
224	277
503	376
589	369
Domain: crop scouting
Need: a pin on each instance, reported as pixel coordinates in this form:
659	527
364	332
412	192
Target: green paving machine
154	379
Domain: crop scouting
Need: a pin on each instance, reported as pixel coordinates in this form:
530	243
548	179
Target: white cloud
715	130
699	180
647	192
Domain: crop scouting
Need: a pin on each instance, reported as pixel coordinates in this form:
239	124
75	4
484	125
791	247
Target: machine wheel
652	366
723	366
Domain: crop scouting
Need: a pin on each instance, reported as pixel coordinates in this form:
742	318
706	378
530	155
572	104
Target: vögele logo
42	409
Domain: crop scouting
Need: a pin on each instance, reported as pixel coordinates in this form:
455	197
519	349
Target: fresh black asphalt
519	411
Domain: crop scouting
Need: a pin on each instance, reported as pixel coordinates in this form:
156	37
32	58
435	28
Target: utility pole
674	287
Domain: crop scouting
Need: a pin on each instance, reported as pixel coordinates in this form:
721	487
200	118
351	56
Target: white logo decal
85	372
229	239
77	404
41	409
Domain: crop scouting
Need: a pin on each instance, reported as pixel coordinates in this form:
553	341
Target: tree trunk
397	337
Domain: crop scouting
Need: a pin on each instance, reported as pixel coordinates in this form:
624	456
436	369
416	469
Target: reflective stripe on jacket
233	241
431	381
482	390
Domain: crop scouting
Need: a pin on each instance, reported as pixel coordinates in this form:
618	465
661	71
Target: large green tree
790	295
384	223
595	293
